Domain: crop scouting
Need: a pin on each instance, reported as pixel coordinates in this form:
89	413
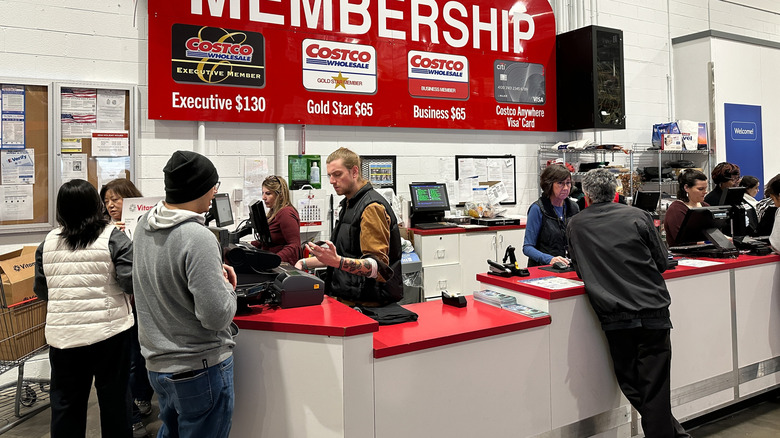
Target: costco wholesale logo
217	56
339	67
438	75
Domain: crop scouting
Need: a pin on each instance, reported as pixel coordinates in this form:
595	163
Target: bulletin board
95	135
25	154
52	132
484	168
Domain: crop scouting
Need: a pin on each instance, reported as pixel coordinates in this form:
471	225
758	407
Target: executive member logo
217	56
339	67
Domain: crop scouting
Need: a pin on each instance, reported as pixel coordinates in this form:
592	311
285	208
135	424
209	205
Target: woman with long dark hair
83	269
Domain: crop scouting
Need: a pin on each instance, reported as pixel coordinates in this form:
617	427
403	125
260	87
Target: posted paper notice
18	166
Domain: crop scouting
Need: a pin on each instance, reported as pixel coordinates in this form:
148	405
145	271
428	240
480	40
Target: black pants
140	389
642	359
72	371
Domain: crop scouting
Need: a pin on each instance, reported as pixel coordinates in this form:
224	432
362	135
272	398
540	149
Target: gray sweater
184	305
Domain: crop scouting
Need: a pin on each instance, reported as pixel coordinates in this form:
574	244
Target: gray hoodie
184	305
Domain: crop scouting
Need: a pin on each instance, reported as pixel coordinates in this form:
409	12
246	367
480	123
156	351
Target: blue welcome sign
744	144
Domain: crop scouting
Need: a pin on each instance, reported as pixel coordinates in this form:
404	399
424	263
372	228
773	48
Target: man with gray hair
618	253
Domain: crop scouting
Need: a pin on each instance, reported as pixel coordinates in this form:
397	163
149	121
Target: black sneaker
144	407
139	430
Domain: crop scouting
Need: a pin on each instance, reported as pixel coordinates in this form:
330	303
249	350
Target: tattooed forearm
362	267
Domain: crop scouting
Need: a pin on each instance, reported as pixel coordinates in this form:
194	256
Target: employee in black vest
364	259
545	229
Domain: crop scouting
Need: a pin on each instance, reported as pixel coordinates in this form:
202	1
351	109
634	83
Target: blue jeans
200	405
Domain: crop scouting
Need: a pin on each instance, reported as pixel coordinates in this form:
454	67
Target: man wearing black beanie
186	301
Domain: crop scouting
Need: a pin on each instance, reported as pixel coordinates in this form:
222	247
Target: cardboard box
672	142
17	271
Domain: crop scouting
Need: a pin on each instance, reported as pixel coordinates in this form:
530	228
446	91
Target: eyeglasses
564	183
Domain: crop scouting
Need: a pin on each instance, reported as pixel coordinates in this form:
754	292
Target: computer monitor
221	210
647	201
733	196
704	223
259	222
429	202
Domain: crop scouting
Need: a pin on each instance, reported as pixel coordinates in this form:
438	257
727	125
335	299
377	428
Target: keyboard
434	226
689	248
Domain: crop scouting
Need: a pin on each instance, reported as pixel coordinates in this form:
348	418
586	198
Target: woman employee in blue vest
545	230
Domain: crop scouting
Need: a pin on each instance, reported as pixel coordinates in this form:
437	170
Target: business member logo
339	67
217	56
519	82
438	75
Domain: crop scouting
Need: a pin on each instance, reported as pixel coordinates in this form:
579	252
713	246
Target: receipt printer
296	288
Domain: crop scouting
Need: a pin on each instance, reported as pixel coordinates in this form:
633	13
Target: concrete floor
758	420
761	420
37	426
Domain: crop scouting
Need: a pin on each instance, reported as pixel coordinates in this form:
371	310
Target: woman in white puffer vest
84	270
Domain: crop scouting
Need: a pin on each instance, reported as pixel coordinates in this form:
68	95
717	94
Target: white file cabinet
440	259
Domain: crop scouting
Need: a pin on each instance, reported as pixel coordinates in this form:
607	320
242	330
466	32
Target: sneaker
144	407
139	430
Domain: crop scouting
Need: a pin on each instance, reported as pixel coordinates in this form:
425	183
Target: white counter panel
294	385
582	377
758	313
490	387
701	338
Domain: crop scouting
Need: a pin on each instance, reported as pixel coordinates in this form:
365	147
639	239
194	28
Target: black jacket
618	253
346	237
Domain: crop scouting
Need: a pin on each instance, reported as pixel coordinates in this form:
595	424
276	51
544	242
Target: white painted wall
95	40
750	83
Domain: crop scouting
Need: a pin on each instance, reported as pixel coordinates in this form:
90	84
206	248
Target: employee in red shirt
283	220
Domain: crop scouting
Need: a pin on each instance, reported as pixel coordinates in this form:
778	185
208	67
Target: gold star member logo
341	81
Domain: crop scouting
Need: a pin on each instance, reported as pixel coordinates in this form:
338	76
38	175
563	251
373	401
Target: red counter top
516	284
439	324
459	230
739	262
331	318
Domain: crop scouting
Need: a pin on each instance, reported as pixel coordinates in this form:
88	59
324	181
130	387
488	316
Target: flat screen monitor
733	196
221	210
705	223
647	201
259	223
429	197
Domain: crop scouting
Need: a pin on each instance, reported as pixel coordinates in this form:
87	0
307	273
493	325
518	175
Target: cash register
429	202
262	278
705	224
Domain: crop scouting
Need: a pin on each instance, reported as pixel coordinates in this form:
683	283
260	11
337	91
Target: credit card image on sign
519	82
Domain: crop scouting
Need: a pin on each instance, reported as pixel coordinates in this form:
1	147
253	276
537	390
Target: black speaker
591	89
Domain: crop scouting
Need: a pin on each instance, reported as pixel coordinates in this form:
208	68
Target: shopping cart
22	337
